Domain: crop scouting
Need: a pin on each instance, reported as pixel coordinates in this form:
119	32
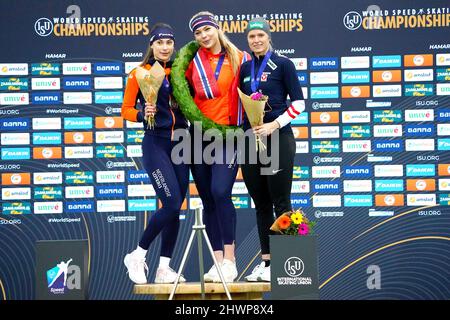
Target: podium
212	291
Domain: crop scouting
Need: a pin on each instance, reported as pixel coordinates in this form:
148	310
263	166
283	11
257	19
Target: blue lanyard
255	82
219	66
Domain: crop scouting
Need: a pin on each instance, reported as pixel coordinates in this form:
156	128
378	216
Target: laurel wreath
182	94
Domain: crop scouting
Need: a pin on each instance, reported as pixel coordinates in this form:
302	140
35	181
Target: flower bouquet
149	82
293	223
254	106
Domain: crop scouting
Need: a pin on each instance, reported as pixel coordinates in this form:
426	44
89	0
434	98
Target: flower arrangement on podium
149	82
293	223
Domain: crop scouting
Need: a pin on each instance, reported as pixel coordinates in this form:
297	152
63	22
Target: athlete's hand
266	129
150	110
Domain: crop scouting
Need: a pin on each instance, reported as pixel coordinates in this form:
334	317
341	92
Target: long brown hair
231	50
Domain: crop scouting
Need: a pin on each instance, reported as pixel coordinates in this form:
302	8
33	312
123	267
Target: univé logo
294	267
63	277
43	27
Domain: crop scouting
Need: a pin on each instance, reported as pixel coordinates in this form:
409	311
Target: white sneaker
229	271
137	268
264	274
167	275
253	277
212	274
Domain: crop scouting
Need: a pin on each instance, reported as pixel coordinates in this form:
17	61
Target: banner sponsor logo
78	152
324	92
16	154
76	68
357	171
420	170
389	185
323	63
77	83
14	98
358	200
395	170
356	117
48	193
357	185
14	124
356	132
45	69
110	191
108	68
48	207
421	200
13	69
47	178
386	61
355	77
78	123
13	84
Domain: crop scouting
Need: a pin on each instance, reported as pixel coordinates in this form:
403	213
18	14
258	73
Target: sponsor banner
388	146
301	172
48	193
136	136
420	170
45	84
131	65
386	61
325	117
355	77
300	132
22	98
110	176
443	115
77	83
301	147
302	78
141	190
79	207
79	177
13	84
79	192
300	63
134	151
359	62
443	74
16	193
78	152
394	170
379	213
326	172
47	138
109	137
362	131
16	208
16	154
137	176
443	129
46	98
78	137
300	201
387	116
324	77
443	59
108	68
444	199
355	91
302	118
421	200
326	187
46	123
13	69
443	169
356	146
418	75
142	205
323	63
300	187
48	207
387	130
109	191
11	139
357	185
78	123
418	60
389	200
47	153
419	130
109	152
443	89
355	116
109	97
15	124
108	83
108	122
111	206
389	186
420	185
77	97
240	202
47	178
11	179
134	125
387	76
76	68
328	146
419	90
45	69
380	91
326	201
239	188
357	171
419	115
324	92
365	200
420	145
325	132
443	144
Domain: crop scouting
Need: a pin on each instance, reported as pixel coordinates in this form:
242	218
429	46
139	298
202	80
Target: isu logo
43	27
294	267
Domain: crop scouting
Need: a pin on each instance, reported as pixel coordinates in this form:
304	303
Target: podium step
213	291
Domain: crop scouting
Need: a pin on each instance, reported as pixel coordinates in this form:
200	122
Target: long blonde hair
231	50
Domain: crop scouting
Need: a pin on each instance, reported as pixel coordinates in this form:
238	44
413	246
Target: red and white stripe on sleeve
291	113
